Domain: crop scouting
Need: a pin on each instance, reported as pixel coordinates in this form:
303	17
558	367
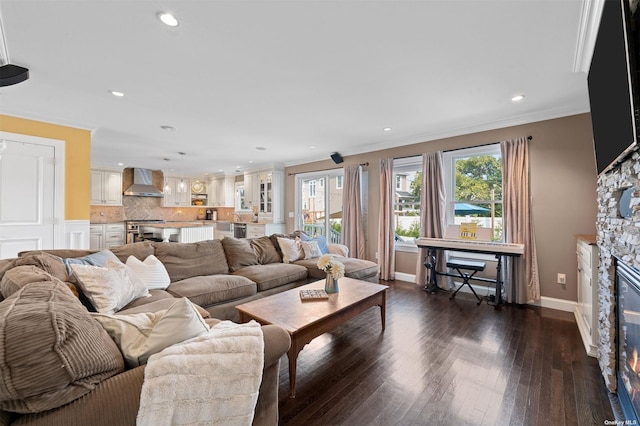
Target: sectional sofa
214	275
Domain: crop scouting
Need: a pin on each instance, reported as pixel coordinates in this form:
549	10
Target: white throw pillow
311	249
151	272
141	335
291	249
111	287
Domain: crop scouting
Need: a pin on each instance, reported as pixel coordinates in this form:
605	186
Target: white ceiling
287	75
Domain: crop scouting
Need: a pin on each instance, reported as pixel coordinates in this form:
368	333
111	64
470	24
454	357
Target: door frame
59	183
320	174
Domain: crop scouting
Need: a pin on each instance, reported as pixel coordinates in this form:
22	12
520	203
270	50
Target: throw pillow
311	249
265	250
111	287
150	271
291	250
239	253
94	259
52	351
322	244
20	276
141	335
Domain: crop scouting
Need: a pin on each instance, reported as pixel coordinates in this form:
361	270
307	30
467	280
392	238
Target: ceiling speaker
337	158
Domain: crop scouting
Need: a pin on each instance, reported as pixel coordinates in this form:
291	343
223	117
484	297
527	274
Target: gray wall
563	184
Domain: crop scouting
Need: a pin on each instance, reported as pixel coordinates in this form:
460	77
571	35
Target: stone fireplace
618	238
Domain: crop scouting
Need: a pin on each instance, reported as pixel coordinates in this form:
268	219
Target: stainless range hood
143	184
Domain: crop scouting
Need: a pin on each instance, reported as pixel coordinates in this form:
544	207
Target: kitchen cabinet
251	189
199	193
177	192
256	230
222	191
265	190
106	187
106	235
586	311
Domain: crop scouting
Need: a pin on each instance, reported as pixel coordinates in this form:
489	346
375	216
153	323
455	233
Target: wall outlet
562	278
291	215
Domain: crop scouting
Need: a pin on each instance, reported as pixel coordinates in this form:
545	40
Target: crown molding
590	14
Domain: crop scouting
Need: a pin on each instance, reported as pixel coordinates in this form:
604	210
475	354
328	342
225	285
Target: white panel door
27	197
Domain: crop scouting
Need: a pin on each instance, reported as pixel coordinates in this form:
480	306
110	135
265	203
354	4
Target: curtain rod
333	168
529	138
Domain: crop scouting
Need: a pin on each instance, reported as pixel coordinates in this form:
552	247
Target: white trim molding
590	14
76	234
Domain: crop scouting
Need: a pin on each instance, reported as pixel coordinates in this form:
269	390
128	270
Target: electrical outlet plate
562	278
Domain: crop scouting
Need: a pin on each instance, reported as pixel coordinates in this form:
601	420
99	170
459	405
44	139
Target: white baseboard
545	302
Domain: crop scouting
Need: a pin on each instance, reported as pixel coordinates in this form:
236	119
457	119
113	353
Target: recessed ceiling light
168	19
120	164
517	98
116	93
168	128
251	161
312	147
387	129
261	148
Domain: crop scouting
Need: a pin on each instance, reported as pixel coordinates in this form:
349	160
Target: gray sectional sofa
215	275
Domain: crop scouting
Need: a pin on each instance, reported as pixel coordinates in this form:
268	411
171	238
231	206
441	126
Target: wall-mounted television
613	84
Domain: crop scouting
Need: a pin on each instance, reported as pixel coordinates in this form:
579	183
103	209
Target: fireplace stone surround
617	237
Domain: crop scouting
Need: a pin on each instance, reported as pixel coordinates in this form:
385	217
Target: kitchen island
181	232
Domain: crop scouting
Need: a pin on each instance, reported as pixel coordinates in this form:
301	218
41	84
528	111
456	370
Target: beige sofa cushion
265	250
53	351
49	263
273	275
359	269
186	260
20	276
213	289
140	250
239	253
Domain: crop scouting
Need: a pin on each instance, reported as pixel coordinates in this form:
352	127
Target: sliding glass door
319	204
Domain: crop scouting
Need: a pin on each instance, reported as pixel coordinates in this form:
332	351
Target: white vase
331	284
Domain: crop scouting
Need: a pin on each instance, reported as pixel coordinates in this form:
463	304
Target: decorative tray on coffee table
314	294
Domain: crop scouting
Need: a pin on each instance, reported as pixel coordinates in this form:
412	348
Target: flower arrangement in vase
334	269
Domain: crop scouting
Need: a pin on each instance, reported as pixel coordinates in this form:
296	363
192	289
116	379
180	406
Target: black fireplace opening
628	340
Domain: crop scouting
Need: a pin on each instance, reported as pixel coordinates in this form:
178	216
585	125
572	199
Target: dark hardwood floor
442	362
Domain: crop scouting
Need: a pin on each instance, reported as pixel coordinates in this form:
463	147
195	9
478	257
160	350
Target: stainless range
133	230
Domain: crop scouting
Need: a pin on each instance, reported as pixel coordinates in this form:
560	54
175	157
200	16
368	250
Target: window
312	188
407	175
321	183
339	182
473	186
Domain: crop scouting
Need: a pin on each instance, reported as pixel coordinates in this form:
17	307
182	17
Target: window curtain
524	285
432	208
352	223
386	230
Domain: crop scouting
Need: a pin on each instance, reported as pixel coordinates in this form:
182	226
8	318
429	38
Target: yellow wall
77	159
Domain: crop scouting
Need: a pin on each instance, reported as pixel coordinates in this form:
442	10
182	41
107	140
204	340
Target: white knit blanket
208	380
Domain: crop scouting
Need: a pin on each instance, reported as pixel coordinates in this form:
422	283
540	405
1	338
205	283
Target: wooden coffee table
309	319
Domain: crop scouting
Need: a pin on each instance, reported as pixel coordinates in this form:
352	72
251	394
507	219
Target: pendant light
9	74
182	186
167	187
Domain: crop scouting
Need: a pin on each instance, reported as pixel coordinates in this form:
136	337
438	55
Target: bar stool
466	269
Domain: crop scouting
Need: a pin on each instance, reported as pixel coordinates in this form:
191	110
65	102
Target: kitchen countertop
174	225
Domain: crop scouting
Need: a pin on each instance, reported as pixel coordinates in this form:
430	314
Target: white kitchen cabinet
177	192
256	230
586	312
265	191
106	235
106	187
251	189
222	191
